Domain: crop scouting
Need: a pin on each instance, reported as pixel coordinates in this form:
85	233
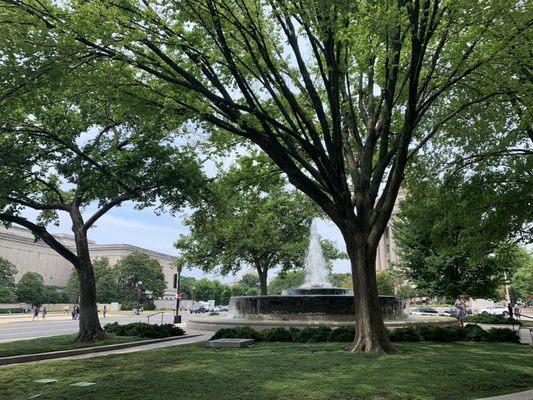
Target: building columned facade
18	246
387	253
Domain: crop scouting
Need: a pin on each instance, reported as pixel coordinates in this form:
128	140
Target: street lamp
177	316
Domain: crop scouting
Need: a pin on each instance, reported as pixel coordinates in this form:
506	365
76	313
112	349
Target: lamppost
177	316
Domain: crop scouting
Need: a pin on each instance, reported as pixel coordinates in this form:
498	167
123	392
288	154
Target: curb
86	350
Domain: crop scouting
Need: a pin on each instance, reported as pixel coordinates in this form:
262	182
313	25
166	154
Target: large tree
251	218
339	94
66	148
453	239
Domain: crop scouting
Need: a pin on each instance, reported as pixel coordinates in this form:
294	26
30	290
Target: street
11	331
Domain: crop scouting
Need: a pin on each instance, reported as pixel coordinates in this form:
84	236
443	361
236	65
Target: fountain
315	303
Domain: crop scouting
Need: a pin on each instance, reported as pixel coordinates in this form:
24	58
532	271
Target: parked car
424	311
198	309
495	310
224	308
452	311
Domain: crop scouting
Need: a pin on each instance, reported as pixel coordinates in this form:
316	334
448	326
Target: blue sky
144	228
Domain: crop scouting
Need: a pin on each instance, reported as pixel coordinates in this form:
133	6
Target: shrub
408	334
492	319
476	333
144	330
277	335
314	335
238	333
503	335
432	333
342	334
10	310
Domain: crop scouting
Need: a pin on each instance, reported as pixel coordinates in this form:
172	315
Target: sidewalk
527	395
195	337
11	318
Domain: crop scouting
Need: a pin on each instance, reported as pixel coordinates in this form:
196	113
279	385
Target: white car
495	310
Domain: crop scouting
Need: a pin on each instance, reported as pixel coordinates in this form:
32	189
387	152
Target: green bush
476	333
238	333
492	319
277	335
503	335
144	330
432	333
429	333
10	310
407	334
313	335
342	334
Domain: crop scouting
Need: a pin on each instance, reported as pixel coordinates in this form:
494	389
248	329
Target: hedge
11	310
144	330
427	333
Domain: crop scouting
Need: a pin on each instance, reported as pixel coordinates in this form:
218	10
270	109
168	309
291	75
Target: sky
146	229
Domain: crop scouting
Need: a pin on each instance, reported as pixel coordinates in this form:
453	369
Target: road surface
29	330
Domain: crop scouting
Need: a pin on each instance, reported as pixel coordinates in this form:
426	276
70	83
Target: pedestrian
516	312
461	310
104	312
44	312
66	309
77	312
510	309
35	313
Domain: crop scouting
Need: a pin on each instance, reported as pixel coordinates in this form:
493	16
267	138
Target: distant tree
7	273
107	288
30	288
286	280
340	280
250	280
187	284
522	280
240	289
386	282
206	289
52	296
72	289
7	295
251	218
446	242
138	273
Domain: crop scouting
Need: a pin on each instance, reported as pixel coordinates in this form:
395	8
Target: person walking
44	312
510	310
516	312
461	310
66	309
104	312
35	313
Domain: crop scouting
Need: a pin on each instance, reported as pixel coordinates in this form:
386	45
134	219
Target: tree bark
262	281
370	334
89	325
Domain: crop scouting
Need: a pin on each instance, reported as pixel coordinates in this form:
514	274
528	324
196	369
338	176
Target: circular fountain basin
308	307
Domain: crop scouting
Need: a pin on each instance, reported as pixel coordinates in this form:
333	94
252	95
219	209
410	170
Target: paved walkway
202	338
527	395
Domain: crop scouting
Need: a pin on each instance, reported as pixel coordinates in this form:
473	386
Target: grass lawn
55	343
269	371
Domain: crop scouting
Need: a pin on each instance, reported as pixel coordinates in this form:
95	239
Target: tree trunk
262	281
89	327
370	335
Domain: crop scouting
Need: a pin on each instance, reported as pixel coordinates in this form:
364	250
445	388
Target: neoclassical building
387	250
18	246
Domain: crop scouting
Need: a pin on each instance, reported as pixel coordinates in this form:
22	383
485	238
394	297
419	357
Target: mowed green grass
268	371
55	343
